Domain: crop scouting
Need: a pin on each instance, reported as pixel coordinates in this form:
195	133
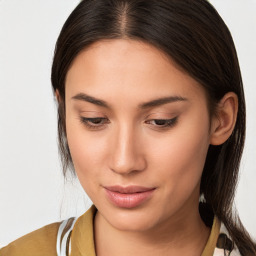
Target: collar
82	237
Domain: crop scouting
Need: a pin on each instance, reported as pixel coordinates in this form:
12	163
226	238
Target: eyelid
166	123
161	115
87	121
92	114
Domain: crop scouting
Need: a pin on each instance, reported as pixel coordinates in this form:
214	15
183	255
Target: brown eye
95	122
162	123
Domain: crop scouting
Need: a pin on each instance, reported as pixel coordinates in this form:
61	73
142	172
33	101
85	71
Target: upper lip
128	189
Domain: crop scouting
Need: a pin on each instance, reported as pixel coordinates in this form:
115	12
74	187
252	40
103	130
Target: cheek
180	158
87	150
87	157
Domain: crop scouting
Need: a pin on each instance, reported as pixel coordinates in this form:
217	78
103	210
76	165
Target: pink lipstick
128	197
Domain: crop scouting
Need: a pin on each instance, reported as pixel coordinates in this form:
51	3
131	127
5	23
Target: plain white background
32	190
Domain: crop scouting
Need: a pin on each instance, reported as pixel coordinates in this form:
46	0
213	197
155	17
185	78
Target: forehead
110	68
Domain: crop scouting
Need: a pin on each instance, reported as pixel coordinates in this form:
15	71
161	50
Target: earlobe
224	120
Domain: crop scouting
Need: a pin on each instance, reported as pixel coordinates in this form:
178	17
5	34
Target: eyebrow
93	100
145	105
161	101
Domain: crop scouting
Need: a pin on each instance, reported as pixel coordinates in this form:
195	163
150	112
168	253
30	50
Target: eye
95	122
162	123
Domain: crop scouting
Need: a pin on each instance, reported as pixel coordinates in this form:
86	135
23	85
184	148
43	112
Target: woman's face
138	130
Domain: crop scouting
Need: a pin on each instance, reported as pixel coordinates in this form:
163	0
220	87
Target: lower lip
128	200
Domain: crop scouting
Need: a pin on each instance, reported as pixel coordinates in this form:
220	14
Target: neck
182	234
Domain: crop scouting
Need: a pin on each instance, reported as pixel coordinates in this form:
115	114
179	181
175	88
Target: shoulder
40	242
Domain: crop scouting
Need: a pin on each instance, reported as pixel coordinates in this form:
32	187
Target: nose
127	152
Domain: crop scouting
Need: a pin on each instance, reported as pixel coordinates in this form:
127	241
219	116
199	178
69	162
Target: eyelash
95	123
168	123
88	122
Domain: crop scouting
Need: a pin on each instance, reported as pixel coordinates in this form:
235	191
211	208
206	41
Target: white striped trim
61	244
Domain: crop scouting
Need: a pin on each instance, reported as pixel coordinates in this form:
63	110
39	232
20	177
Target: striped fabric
63	246
225	245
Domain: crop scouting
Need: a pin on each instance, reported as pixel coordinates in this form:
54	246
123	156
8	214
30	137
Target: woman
151	118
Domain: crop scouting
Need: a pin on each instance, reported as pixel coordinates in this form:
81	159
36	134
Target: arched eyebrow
161	101
90	99
145	105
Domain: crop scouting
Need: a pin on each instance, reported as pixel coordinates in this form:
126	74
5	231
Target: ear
57	95
224	120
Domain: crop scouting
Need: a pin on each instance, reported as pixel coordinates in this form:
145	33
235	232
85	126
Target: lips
128	197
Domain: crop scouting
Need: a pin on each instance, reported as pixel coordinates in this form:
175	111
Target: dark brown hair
191	33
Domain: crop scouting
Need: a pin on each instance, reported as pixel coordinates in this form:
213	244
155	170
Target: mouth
128	197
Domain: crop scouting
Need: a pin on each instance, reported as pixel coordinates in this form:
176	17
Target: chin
133	220
132	225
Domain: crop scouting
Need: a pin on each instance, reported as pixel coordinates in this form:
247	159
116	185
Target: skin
129	147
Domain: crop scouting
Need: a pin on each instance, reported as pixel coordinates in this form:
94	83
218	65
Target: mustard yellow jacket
42	242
